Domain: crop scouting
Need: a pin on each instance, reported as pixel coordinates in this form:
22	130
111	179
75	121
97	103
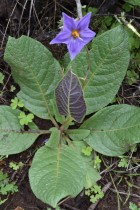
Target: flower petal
63	37
87	35
68	22
84	22
75	46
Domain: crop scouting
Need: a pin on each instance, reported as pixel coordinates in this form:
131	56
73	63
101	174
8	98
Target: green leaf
133	2
12	88
92	175
65	61
36	72
123	162
127	7
108	61
12	140
59	118
78	134
69	97
133	206
8	188
80	64
132	77
25	119
15	166
86	150
3	201
16	103
114	129
54	138
3	176
56	173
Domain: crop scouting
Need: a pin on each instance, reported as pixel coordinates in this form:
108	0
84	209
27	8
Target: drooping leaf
36	72
56	173
69	97
106	67
12	140
114	129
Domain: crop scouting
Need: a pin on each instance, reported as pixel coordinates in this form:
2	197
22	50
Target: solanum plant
66	96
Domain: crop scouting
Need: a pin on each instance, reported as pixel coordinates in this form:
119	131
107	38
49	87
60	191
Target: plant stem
79	8
66	123
54	122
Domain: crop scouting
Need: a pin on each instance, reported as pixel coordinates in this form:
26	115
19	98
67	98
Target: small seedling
25	119
12	88
5	186
132	77
97	162
2	201
95	193
133	206
15	166
16	103
123	162
87	150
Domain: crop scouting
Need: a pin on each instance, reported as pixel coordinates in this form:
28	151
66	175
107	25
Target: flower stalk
79	8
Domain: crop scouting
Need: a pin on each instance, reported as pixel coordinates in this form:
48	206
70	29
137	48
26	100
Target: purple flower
75	34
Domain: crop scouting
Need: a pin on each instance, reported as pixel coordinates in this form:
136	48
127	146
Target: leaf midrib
99	66
41	91
69	91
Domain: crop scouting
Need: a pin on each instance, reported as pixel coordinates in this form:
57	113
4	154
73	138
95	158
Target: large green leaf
56	173
92	175
78	134
36	72
80	65
106	67
12	140
114	129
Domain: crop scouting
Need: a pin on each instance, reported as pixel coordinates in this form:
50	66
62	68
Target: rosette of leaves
88	85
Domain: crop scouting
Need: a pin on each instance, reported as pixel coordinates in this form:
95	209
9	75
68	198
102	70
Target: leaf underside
69	97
